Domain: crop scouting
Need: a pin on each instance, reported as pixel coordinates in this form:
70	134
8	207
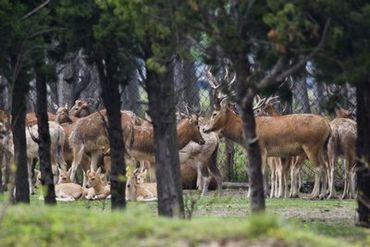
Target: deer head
80	109
64	176
63	115
93	178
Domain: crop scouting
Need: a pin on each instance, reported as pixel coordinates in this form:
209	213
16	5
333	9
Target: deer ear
69	171
88	172
78	102
59	170
99	170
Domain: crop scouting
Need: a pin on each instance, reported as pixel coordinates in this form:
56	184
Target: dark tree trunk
363	154
254	155
19	137
111	99
246	93
44	139
161	95
1	170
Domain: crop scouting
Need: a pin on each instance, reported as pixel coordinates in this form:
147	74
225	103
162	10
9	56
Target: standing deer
89	136
342	143
57	137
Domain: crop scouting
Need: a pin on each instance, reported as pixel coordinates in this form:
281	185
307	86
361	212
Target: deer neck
183	134
234	128
99	188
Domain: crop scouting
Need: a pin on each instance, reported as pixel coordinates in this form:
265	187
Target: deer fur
199	156
57	137
89	136
69	192
140	146
97	188
31	118
280	136
137	190
80	109
342	143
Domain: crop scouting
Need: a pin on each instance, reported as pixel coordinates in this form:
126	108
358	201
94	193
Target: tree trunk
131	97
111	99
363	154
161	96
301	94
19	137
254	155
246	92
44	139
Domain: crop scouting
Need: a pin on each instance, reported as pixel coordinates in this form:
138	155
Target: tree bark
246	91
363	154
19	137
301	94
190	87
161	96
254	155
111	99
44	139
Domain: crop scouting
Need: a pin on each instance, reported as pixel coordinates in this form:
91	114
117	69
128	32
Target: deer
203	158
280	166
57	137
89	136
342	143
279	136
97	188
31	118
80	109
140	146
138	190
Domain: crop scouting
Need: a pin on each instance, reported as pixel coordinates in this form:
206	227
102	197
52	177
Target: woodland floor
331	219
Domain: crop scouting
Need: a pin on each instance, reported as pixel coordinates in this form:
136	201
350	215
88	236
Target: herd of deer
79	138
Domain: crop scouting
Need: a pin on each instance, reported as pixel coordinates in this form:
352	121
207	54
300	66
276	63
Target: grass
223	219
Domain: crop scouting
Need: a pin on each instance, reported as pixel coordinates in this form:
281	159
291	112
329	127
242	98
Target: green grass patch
58	226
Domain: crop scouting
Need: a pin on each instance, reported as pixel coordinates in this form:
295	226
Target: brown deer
204	159
140	146
97	188
31	118
138	190
89	136
80	109
280	136
342	143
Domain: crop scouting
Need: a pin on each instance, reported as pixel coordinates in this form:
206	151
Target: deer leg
218	177
77	157
272	179
94	160
199	178
206	179
30	183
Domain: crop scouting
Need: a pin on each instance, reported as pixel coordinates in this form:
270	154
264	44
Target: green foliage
45	226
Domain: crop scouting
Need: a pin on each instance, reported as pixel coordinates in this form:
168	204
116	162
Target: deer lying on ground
138	190
57	136
97	188
342	143
280	136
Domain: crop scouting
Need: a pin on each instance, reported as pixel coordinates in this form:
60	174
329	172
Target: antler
271	99
260	102
211	79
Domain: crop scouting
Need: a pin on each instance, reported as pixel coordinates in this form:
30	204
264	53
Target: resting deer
342	143
97	188
280	136
138	190
57	136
